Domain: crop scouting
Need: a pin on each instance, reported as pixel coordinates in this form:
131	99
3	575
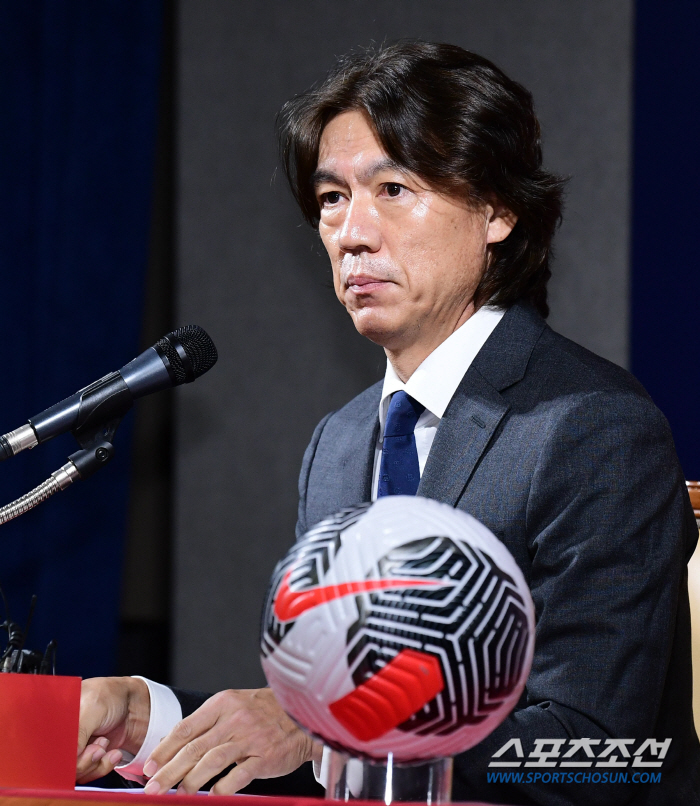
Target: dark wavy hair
460	124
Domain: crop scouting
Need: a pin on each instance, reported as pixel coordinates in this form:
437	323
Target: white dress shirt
433	385
434	382
165	714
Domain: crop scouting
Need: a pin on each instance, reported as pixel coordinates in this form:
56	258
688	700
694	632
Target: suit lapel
358	456
478	407
464	432
341	473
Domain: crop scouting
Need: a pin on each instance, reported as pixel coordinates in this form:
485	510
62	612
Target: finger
90	716
240	776
196	724
89	758
97	743
115	709
185	761
84	735
213	763
105	764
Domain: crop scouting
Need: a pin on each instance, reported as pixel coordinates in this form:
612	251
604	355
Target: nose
361	230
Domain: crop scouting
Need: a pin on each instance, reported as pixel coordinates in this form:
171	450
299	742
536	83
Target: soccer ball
403	626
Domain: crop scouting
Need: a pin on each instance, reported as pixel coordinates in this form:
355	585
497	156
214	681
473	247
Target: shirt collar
435	381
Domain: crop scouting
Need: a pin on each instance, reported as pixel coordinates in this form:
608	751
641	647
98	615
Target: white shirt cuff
321	768
165	714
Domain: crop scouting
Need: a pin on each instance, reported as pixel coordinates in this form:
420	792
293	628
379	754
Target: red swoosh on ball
291	604
391	696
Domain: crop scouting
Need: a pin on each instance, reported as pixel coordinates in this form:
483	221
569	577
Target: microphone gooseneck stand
58	480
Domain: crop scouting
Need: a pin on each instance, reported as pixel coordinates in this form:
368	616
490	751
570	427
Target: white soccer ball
403	626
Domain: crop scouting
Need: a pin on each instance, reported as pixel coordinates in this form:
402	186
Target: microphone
179	357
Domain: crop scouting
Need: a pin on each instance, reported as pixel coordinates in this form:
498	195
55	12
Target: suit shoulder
567	367
565	380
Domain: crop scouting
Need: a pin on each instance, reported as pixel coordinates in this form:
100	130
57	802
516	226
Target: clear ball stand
355	779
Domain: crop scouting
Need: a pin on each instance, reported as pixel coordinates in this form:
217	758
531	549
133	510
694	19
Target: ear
499	222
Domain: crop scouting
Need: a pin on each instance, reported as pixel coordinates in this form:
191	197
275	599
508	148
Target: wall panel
253	275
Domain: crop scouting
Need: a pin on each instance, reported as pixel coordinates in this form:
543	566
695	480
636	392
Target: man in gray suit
421	167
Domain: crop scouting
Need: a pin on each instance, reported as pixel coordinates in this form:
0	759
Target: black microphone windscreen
198	346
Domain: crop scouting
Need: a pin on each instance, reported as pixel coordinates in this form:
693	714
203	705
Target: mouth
363	284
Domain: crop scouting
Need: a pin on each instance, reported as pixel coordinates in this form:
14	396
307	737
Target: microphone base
354	779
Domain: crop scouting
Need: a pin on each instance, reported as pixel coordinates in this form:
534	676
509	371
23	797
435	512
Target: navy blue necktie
399	473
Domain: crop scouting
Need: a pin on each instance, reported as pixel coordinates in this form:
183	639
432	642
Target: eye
393	189
330	198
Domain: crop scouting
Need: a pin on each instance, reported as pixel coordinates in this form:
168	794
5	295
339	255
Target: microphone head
189	351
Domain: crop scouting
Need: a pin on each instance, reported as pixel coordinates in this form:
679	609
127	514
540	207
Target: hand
114	711
245	727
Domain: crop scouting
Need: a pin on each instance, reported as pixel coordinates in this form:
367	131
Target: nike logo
391	696
291	604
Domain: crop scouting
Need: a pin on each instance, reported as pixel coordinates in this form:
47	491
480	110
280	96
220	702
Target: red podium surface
38	797
57	797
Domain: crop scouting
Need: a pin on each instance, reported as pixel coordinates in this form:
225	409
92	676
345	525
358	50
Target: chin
375	327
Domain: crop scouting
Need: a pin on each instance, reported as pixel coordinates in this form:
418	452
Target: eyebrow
320	175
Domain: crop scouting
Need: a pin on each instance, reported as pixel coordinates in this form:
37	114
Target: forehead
348	142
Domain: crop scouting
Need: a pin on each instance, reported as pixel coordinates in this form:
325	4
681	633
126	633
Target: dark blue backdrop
665	303
78	98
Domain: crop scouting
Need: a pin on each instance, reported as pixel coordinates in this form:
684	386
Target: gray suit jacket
566	459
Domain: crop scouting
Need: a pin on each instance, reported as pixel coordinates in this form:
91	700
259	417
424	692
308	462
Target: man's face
406	259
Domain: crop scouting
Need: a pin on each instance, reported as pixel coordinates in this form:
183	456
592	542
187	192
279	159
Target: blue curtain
666	211
78	99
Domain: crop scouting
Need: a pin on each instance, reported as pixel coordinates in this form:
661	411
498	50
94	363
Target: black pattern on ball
476	625
312	558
